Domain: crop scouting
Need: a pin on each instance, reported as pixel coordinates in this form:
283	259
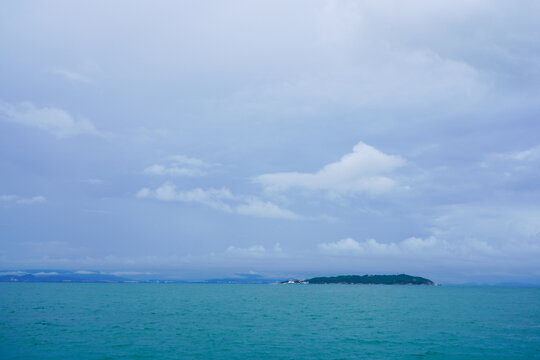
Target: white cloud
129	273
95	181
220	199
360	171
23	201
144	193
172	170
72	76
85	272
52	120
178	165
254	251
265	209
41	273
351	246
413	247
181	159
214	198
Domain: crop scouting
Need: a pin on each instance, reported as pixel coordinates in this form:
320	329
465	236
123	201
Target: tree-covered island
401	279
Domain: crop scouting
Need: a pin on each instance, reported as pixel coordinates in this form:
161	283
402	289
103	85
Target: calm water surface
191	321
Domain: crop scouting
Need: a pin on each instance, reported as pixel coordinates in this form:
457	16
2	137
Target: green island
401	279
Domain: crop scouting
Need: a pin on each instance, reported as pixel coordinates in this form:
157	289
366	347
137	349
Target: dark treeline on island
401	279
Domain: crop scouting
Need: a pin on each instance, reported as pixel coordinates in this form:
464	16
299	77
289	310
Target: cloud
351	246
178	165
129	273
252	251
532	154
41	273
265	209
125	265
72	76
360	171
214	198
173	170
514	226
414	247
85	272
95	181
33	200
220	199
23	201
50	119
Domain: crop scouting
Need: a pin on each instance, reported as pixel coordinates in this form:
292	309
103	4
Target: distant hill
64	276
243	278
83	276
401	279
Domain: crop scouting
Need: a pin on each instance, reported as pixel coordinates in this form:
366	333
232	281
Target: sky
280	138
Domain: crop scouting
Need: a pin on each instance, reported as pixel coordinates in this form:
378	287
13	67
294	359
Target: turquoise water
192	321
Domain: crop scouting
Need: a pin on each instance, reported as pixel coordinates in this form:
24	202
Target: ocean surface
200	321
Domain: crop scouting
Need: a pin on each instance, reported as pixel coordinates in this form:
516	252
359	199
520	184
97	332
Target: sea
222	321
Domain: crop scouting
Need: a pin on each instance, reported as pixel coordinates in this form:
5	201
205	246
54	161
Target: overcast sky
284	138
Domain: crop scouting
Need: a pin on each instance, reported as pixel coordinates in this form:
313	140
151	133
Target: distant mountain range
58	276
82	276
64	276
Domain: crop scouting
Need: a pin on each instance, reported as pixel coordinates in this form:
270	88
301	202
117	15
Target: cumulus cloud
23	201
220	199
214	198
361	171
50	119
178	165
412	247
351	246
